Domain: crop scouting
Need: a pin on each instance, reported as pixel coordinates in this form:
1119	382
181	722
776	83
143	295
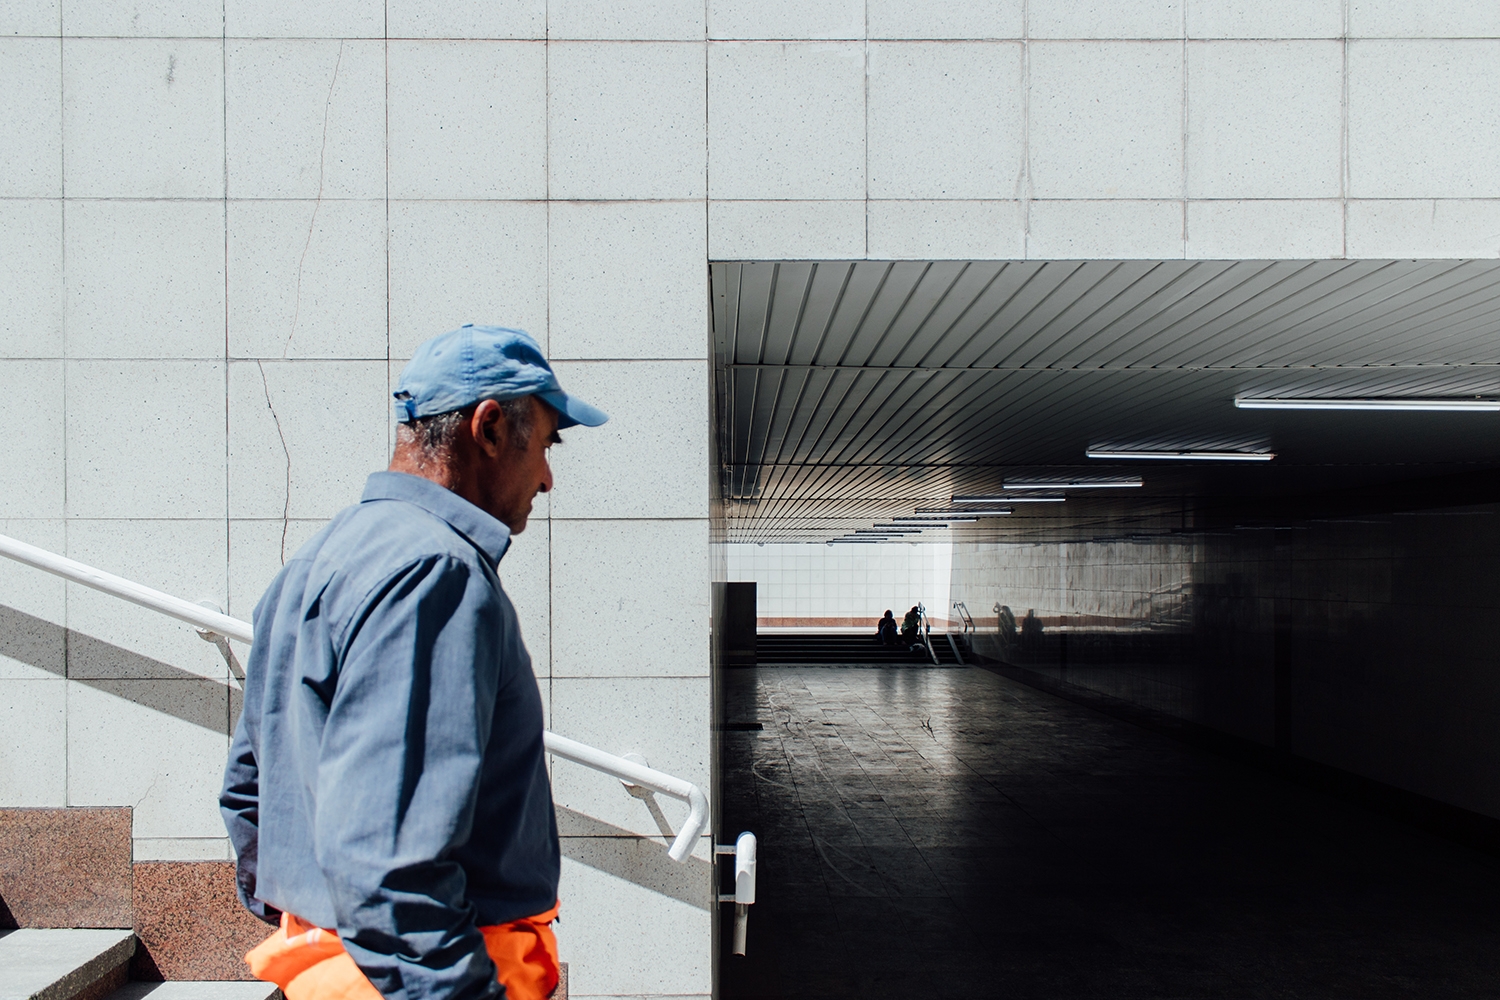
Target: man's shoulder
389	535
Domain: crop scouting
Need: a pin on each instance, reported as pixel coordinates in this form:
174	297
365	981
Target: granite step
185	990
46	964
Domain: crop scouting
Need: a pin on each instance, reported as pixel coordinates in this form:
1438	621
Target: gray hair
433	436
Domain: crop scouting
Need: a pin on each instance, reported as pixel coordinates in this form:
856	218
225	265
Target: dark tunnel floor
1025	846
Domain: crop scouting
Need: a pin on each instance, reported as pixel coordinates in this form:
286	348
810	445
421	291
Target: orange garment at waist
310	963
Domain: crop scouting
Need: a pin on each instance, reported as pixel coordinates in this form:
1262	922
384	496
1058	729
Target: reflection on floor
950	832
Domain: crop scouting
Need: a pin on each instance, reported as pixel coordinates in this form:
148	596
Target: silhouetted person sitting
885	630
910	626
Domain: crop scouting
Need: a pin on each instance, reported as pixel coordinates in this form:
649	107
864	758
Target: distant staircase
853	649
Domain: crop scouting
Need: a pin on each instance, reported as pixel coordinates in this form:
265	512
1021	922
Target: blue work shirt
387	777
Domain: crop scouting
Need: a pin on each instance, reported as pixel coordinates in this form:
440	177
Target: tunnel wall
1365	644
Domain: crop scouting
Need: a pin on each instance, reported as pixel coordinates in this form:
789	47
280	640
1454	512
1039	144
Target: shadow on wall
106	667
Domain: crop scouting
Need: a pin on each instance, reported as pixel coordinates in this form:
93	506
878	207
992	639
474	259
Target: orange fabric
310	963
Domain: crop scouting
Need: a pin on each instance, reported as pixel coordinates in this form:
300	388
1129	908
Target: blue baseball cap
461	367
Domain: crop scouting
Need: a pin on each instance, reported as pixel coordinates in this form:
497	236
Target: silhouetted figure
1031	630
885	631
910	626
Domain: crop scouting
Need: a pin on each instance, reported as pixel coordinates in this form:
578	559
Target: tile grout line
62	189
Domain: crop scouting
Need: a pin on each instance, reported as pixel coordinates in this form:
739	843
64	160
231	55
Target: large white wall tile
466	19
651	459
628	280
1106	119
30	118
1424	119
786	19
1427	19
156	745
1128	230
33	755
181	557
258	548
786	230
143	118
144	18
466	262
945	18
1265	230
31	285
306	118
307	279
304	435
945	119
36	650
1105	18
1423	229
627	120
146	439
663	19
34	485
526	575
1265	119
622	938
1265	19
664	719
613	579
467	119
308	19
931	230
786	120
145	279
30	17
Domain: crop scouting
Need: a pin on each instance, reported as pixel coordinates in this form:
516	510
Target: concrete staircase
68	964
814	647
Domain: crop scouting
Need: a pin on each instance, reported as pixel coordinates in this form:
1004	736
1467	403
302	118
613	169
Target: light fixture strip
1191	456
1437	405
1115	482
996	512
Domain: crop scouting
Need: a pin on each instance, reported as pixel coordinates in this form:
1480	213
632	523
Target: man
386	791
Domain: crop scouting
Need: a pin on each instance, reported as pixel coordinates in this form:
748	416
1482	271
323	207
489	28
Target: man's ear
488	427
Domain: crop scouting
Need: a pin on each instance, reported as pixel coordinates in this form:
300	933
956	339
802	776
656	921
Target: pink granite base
65	867
190	923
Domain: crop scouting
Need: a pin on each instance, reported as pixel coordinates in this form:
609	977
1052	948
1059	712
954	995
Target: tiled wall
224	224
843	581
1363	643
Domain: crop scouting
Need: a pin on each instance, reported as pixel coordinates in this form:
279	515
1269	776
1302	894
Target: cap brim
572	411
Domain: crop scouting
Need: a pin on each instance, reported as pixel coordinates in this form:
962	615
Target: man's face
521	473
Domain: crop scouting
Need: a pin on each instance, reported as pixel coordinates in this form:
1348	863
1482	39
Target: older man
386	790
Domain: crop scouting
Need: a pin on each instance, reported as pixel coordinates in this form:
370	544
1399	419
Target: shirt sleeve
397	779
239	803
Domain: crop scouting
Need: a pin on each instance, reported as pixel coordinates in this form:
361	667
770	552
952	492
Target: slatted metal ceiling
851	391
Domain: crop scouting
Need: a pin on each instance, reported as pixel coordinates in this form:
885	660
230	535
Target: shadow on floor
953	832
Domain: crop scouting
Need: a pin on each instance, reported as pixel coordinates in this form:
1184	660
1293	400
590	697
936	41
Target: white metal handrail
213	625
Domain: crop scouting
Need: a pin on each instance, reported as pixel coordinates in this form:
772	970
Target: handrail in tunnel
214	626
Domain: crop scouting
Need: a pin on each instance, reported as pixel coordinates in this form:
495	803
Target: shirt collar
489	535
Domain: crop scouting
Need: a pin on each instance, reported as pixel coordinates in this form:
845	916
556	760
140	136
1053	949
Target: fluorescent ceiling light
936	521
886	531
1039	498
1084	483
966	512
1198	456
1388	403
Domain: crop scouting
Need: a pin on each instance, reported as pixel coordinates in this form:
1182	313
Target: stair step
45	964
184	990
